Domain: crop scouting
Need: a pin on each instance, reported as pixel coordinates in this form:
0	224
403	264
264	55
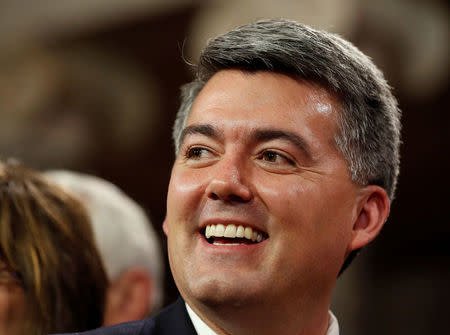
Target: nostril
214	196
236	198
229	197
228	190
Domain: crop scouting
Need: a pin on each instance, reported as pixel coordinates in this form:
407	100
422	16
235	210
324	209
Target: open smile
231	234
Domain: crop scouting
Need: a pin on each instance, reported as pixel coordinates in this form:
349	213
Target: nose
228	183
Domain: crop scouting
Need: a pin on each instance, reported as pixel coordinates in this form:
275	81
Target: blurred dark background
93	86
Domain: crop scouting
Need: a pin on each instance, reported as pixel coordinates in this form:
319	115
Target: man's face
258	152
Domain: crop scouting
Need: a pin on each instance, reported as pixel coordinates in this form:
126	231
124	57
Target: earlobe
374	210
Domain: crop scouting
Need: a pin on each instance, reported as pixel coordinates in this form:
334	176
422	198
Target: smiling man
287	159
261	208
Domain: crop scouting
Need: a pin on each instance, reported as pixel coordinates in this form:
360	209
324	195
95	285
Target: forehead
268	100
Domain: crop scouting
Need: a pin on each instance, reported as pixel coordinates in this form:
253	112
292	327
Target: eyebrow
259	135
202	129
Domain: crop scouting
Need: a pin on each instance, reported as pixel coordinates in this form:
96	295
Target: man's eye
270	156
275	157
197	153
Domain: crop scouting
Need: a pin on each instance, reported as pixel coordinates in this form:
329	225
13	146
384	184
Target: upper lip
236	222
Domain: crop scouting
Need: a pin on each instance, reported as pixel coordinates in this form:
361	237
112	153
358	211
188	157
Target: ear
165	228
128	297
373	213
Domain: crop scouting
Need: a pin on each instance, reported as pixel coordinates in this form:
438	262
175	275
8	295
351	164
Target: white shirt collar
203	329
333	325
200	327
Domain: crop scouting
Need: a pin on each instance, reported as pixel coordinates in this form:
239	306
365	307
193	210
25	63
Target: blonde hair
45	236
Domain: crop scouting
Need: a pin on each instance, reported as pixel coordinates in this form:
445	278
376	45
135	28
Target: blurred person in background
51	275
128	244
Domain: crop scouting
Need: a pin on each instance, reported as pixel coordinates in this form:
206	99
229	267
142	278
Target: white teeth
231	231
220	229
212	231
248	232
240	232
219	243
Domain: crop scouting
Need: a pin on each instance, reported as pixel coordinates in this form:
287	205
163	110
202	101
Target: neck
259	318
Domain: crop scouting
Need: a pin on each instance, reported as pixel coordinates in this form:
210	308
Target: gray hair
122	231
369	121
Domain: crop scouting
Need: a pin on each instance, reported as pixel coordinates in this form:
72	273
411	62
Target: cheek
310	225
185	191
184	203
289	199
307	208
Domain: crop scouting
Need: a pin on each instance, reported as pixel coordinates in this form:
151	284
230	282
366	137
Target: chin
225	292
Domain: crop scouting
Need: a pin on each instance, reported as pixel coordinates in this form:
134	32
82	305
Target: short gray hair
369	122
122	231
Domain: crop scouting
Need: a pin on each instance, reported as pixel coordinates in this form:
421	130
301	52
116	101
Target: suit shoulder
141	327
173	320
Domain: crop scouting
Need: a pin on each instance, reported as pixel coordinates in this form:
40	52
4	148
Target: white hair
123	232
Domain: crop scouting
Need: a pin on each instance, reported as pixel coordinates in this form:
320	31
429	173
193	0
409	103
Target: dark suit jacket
173	320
